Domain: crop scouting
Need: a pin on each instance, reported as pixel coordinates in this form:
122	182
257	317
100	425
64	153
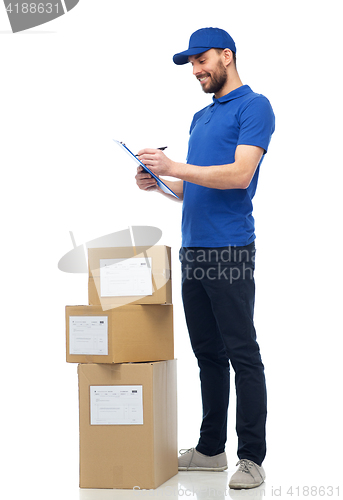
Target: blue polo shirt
215	217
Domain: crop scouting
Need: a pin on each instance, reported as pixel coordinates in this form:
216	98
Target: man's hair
219	51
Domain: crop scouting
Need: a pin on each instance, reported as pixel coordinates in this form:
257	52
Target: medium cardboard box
130	333
128	424
125	275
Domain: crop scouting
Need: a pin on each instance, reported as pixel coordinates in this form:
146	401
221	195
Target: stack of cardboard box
123	342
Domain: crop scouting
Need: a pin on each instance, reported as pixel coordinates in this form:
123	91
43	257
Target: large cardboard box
128	424
125	275
130	333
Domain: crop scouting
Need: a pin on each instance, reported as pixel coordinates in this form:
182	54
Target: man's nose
196	69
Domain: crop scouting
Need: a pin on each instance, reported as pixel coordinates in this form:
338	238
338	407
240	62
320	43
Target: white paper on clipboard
161	184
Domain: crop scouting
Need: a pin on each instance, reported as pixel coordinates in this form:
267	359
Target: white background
105	71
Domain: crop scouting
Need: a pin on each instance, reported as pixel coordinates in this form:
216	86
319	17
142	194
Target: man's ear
228	56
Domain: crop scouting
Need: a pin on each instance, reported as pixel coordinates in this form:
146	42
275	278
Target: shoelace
245	466
184	450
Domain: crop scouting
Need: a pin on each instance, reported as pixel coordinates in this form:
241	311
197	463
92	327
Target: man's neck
232	83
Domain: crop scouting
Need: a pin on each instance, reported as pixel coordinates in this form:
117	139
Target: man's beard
218	80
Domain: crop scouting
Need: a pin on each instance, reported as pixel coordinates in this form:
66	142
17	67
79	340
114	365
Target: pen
161	149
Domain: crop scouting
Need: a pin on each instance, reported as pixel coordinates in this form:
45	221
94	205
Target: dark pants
218	292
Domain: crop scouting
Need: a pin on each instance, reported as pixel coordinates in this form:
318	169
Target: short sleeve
257	123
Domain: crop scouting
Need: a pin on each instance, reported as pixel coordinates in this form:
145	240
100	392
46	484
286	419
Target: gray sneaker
191	459
249	475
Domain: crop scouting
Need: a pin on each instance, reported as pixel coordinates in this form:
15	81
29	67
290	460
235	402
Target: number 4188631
32	8
313	491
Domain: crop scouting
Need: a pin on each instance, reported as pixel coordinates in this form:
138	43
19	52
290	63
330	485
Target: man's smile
203	78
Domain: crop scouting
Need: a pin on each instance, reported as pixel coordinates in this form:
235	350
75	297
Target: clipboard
161	184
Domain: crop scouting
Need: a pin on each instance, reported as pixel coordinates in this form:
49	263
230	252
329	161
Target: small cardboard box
125	275
128	424
131	333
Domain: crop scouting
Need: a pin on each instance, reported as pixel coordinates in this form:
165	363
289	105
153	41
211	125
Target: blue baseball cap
203	40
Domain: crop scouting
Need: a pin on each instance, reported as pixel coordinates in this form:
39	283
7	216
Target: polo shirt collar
234	94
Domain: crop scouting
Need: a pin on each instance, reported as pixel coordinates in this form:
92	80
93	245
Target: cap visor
182	57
